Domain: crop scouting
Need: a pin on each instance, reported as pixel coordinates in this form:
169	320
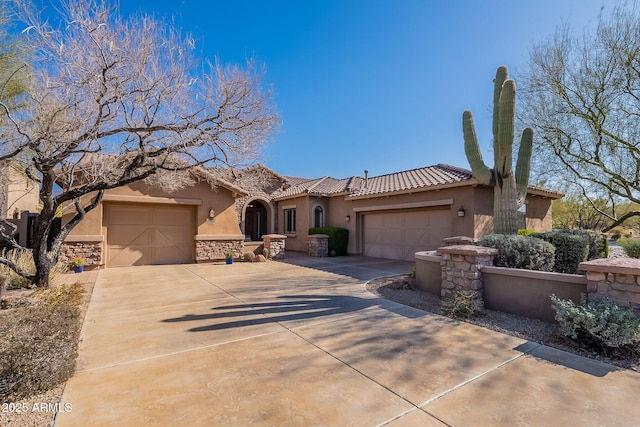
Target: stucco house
18	193
388	216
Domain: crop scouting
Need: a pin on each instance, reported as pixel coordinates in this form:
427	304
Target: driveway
302	343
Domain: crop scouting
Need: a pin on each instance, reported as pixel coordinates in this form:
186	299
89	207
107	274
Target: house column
461	267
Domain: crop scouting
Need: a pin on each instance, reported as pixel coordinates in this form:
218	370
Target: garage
149	234
400	234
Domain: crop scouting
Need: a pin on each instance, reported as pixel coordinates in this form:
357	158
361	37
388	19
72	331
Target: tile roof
417	179
356	186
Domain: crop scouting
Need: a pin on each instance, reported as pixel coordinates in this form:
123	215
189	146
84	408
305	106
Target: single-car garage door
399	235
142	235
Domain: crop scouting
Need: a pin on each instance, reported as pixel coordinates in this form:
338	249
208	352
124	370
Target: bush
39	342
571	250
603	322
24	259
616	233
249	257
462	304
598	245
630	246
525	232
520	252
338	238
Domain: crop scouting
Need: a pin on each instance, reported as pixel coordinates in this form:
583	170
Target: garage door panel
143	235
399	235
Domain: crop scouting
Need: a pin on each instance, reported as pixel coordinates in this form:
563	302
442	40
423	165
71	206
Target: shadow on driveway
286	308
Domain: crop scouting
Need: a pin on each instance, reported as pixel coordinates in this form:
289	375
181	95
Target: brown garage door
399	235
142	235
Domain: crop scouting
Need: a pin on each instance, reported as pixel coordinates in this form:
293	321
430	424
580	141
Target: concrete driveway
302	343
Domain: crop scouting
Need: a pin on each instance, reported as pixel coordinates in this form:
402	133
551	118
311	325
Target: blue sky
373	84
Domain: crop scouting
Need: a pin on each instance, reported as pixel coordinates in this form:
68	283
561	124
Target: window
318	217
289	221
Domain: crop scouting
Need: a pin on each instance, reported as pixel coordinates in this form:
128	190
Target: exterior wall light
211	216
461	212
347	218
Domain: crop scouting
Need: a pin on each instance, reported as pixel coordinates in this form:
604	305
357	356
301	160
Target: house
388	216
18	193
140	224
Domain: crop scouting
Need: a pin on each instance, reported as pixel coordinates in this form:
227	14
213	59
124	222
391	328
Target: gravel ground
38	410
402	289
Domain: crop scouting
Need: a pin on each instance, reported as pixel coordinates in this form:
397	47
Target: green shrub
39	342
265	253
571	250
630	246
603	322
249	256
616	233
338	238
462	304
520	252
24	259
525	232
598	245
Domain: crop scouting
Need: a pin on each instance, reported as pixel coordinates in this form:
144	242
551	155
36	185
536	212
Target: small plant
229	255
462	304
616	233
525	232
249	257
630	246
265	253
77	262
602	323
412	275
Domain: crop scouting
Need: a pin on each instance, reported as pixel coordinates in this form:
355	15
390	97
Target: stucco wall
295	241
19	194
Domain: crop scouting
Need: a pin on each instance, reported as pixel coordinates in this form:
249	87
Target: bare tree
113	101
582	97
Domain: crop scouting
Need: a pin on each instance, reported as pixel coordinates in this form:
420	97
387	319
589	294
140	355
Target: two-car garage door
400	234
149	234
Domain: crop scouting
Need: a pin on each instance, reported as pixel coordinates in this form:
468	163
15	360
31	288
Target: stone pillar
274	243
318	245
462	268
615	278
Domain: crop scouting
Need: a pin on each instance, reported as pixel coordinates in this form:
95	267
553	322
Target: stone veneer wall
615	278
90	251
461	268
275	244
215	249
318	245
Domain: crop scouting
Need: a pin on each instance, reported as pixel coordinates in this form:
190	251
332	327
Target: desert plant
571	250
603	322
462	304
516	251
525	232
24	260
229	254
249	257
39	342
265	253
598	245
77	262
616	233
630	246
509	190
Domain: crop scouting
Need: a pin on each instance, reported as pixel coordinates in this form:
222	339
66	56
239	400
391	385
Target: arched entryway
255	225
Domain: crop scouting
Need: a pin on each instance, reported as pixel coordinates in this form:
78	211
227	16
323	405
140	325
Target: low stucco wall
527	293
429	272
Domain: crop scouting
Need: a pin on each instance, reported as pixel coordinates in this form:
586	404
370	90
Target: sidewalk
279	343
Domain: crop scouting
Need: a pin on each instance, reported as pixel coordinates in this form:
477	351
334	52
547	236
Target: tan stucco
18	193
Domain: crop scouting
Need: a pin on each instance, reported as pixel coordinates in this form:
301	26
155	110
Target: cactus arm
523	165
504	142
471	148
501	75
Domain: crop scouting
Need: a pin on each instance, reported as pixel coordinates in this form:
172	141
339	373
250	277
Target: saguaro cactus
509	190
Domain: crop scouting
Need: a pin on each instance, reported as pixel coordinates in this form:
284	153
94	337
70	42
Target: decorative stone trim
216	248
460	240
616	278
90	251
274	243
318	245
461	268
